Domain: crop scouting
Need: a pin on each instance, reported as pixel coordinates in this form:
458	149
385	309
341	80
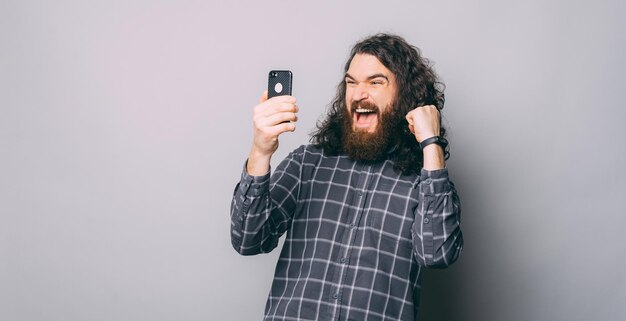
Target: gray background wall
124	126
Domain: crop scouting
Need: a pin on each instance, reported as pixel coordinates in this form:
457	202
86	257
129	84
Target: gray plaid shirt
357	235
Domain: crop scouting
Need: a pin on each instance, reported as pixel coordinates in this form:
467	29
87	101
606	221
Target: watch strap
434	140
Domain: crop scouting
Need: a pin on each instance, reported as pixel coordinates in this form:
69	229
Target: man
365	207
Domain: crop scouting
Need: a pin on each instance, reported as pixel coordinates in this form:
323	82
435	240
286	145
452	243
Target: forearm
261	211
258	162
249	211
433	157
436	231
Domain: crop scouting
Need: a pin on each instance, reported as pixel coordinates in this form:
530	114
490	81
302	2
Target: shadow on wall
443	290
484	284
442	294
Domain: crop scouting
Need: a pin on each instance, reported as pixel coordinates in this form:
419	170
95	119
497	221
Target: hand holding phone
271	118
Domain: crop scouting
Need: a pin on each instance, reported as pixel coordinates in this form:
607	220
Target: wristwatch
434	140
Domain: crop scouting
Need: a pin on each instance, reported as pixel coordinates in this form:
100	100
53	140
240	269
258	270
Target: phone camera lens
274	74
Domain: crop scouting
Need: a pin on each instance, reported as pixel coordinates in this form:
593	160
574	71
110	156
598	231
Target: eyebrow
379	75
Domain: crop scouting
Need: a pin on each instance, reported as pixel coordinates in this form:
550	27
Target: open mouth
365	118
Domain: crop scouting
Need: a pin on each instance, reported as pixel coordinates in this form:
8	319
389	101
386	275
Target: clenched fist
424	122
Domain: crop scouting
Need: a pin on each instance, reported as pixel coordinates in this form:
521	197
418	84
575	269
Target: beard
363	146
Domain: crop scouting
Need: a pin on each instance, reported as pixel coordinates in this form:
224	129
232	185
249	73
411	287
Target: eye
350	82
377	82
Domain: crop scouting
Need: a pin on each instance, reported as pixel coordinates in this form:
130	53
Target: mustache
364	104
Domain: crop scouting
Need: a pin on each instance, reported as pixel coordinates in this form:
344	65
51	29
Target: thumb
263	97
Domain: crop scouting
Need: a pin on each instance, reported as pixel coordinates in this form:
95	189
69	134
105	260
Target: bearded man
366	205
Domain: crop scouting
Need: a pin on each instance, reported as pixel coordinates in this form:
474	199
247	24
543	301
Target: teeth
363	110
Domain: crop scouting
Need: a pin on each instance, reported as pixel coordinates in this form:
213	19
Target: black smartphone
279	83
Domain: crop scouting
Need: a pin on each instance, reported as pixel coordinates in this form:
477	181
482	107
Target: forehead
365	65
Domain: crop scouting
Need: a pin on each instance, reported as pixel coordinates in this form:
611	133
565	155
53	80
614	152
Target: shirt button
428	181
335	296
352	225
343	260
360	194
426	220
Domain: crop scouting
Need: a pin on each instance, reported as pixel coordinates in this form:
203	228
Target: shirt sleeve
437	236
263	206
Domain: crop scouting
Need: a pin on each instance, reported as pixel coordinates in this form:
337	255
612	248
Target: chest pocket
391	213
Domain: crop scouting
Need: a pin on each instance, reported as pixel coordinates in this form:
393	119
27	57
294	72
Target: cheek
386	99
348	96
380	99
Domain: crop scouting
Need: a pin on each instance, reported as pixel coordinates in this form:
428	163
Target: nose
359	93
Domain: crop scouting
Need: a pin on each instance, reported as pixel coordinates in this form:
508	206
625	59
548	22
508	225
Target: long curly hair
417	84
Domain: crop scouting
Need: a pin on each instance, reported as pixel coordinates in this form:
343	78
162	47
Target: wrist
436	140
258	162
260	153
433	157
433	149
257	155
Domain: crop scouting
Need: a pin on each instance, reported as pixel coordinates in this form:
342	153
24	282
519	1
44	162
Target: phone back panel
279	83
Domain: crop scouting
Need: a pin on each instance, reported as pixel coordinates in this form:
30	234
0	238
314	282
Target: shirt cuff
434	182
253	185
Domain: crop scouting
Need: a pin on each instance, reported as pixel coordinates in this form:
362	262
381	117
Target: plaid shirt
357	238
